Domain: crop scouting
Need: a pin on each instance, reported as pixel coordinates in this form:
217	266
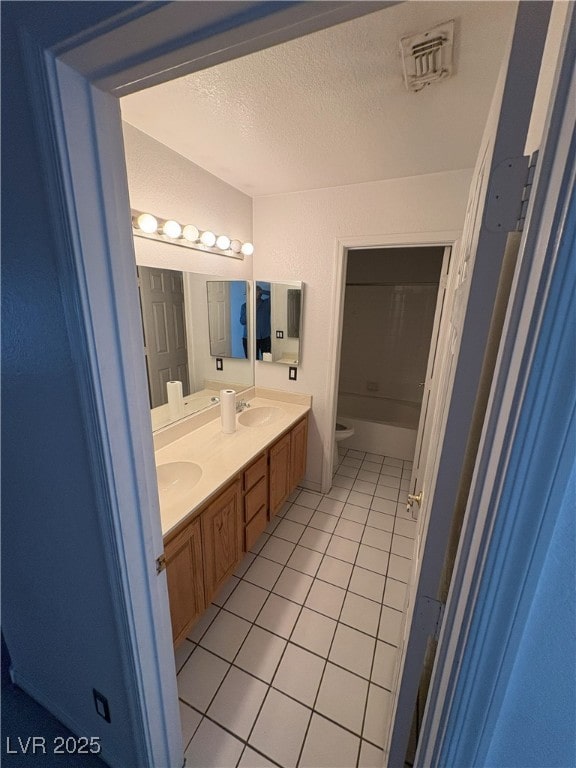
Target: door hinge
428	615
161	563
527	191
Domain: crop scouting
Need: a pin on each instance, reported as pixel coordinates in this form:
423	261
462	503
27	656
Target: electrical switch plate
219	364
292	373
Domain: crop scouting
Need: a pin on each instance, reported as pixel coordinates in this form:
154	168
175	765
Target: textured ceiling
331	108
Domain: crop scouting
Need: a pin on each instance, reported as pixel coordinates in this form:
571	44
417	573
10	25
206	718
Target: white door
219	318
494	204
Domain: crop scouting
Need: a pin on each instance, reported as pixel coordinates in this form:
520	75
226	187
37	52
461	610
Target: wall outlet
219	364
279	334
372	386
292	373
101	703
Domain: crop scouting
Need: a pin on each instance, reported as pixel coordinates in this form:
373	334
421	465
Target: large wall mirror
278	322
177	324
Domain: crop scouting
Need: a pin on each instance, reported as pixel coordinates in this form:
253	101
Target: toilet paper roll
228	410
175	399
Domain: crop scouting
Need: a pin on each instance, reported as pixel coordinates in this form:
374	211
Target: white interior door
219	318
493	206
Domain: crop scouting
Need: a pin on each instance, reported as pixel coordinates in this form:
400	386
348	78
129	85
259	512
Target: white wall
166	184
295	238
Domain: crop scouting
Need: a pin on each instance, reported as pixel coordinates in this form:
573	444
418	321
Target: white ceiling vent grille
427	57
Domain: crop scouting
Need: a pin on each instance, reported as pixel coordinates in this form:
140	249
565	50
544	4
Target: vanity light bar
188	236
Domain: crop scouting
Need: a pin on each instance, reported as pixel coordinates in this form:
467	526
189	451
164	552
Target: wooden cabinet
221	536
255	500
287	464
184	573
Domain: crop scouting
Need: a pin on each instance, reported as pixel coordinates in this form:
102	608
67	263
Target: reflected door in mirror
164	324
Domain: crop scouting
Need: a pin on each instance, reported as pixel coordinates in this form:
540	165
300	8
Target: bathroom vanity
218	491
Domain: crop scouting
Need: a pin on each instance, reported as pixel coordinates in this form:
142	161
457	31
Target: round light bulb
171	228
147	223
208	238
223	242
190	233
247	249
236	246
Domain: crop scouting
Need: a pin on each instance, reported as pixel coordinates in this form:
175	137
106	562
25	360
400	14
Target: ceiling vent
427	57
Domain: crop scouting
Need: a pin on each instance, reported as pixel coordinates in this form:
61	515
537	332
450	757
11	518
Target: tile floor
293	662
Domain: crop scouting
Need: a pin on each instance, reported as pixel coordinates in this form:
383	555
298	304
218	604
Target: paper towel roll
228	410
175	399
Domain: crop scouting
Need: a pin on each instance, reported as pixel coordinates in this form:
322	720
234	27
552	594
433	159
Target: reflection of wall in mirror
287	347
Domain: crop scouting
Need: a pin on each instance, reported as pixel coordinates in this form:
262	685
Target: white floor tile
299	674
374	537
360	499
280	728
326	599
245	563
381	521
225	635
370	756
200	677
263	572
237	702
385	660
182	653
246	600
400	568
367	584
278	615
213	747
352	650
348	461
354	513
251	759
329	746
259	543
335	571
369	475
386	506
372	559
348	529
339	494
402	546
389	480
354	454
261	653
299	514
225	591
289	530
378	714
332	506
305	560
314	631
343	549
277	549
323	521
406	528
203	623
347	471
395	594
375	457
342	697
361	613
315	539
363	486
340	481
385	492
309	499
393	462
190	720
391	623
293	585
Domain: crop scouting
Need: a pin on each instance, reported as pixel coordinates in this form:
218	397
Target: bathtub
381	425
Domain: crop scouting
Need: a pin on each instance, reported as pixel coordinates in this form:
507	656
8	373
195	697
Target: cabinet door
185	583
279	473
221	538
298	449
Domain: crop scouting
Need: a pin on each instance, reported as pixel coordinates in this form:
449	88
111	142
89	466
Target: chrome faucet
240	405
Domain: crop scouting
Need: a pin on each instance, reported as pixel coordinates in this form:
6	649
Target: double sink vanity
218	491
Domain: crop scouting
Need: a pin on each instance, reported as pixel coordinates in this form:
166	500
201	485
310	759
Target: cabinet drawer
255	527
255	472
256	499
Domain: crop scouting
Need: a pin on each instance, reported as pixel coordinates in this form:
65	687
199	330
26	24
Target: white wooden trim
341	247
463	654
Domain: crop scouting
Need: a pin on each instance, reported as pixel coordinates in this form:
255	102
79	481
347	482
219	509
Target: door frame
446	238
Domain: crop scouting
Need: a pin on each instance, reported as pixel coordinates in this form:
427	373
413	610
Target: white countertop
220	456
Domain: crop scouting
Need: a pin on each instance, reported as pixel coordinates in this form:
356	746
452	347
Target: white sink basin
259	416
177	476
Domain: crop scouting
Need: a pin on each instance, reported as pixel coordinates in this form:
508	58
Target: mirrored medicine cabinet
278	322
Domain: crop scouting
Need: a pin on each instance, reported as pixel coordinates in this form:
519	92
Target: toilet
343	431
